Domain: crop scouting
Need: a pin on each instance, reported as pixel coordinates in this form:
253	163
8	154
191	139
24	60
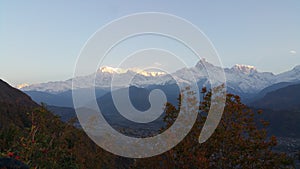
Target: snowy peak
246	69
241	78
149	73
204	64
296	68
289	76
111	70
20	86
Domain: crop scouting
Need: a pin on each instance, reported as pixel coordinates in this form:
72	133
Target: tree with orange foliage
240	141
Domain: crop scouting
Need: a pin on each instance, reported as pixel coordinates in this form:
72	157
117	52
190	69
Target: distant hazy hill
273	87
63	99
286	98
281	108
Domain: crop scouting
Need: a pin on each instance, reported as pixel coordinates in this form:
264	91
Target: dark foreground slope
33	135
11	95
14	105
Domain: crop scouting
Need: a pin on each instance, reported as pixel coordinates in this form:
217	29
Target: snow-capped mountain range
240	78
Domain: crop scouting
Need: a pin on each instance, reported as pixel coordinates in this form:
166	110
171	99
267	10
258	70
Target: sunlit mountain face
240	79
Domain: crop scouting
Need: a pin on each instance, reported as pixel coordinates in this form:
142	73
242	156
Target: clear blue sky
40	40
